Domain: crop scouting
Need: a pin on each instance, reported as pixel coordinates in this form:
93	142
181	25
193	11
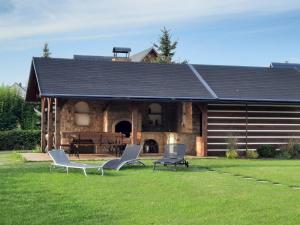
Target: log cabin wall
252	125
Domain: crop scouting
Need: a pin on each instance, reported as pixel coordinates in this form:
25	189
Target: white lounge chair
129	157
60	159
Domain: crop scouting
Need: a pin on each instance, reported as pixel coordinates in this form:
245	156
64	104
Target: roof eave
32	77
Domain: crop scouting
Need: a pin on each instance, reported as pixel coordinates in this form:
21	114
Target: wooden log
204	122
134	123
43	124
57	124
50	124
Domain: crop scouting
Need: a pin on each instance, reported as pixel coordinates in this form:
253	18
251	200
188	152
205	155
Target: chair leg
102	171
186	163
67	168
143	164
154	165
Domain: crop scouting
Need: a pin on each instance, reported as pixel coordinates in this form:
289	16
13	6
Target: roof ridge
203	81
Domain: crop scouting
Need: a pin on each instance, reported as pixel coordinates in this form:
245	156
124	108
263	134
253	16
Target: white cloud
28	18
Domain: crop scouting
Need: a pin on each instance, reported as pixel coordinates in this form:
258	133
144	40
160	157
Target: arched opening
82	116
150	146
123	127
82	107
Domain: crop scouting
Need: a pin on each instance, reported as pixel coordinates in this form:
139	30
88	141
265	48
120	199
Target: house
147	55
21	91
198	105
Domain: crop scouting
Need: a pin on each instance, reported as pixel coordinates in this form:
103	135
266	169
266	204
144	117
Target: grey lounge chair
173	155
129	157
60	159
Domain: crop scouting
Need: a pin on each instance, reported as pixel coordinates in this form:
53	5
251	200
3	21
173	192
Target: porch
104	127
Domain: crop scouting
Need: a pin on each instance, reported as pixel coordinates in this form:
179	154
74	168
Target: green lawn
202	194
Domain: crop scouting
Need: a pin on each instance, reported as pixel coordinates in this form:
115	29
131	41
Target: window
155	114
82	114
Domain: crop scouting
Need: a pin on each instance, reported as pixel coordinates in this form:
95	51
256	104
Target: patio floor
40	157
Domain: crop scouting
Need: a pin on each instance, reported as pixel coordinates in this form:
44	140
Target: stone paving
40	157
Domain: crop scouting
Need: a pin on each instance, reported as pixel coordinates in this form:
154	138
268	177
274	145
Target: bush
232	146
232	154
251	154
283	155
232	143
267	151
19	139
293	148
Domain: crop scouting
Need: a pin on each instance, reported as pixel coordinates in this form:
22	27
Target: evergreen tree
46	51
166	47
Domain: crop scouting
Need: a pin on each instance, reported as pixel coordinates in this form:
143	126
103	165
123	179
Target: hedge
19	139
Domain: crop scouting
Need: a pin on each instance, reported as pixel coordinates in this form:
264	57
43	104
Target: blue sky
230	32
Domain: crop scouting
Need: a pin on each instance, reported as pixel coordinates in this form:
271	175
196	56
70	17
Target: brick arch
119	121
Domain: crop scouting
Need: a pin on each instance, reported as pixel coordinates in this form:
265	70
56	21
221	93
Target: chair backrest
174	151
59	156
131	152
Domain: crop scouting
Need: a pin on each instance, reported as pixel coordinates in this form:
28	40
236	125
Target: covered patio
101	127
100	106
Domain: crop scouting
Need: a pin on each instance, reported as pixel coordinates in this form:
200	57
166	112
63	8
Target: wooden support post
50	125
43	124
105	120
134	123
187	117
204	122
57	124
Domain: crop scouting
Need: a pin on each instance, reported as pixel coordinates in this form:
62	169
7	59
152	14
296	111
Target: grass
202	194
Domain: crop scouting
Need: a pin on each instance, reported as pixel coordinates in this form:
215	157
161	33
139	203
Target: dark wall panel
252	125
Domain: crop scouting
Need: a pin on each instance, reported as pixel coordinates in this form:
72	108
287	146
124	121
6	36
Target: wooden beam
134	123
105	112
57	124
43	124
204	122
187	117
50	125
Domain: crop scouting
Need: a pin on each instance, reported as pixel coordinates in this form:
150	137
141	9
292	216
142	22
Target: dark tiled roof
93	57
295	66
100	79
107	79
252	83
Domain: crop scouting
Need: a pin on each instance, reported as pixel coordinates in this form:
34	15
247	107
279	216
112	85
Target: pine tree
166	47
46	51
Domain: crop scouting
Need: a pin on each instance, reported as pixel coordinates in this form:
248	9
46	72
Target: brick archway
123	126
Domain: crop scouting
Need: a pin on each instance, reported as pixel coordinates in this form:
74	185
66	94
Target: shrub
292	147
251	154
283	155
232	143
19	139
232	146
232	154
267	151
